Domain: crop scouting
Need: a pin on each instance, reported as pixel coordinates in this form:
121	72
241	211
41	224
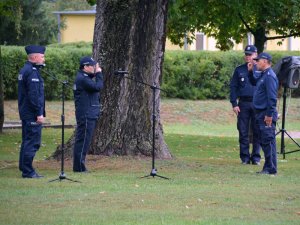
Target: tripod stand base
154	174
62	176
282	150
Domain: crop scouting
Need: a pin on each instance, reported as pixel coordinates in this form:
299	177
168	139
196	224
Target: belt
246	99
259	110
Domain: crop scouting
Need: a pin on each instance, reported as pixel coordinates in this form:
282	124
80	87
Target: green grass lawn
207	185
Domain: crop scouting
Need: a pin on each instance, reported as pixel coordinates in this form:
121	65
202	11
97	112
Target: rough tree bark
129	35
1	95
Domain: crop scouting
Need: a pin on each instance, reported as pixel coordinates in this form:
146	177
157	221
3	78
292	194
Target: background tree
1	94
129	35
62	5
9	10
231	20
29	23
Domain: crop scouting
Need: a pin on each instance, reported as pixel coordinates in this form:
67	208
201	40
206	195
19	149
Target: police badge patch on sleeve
20	77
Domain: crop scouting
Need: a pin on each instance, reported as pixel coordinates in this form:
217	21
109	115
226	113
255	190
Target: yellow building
79	26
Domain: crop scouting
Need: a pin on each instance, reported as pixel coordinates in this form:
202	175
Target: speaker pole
283	130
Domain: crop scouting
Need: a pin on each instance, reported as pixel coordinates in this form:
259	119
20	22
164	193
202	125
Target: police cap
87	60
30	49
250	49
263	55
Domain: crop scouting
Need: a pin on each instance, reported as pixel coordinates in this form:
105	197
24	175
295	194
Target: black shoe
256	163
266	172
245	163
36	176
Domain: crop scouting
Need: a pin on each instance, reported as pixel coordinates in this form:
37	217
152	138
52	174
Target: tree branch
244	22
283	36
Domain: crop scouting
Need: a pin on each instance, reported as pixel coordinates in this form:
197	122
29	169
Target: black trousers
267	140
84	133
31	142
246	118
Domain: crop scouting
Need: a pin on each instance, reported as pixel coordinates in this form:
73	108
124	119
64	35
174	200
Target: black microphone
120	72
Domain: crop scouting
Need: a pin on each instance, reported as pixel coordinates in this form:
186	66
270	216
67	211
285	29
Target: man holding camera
241	96
87	86
31	104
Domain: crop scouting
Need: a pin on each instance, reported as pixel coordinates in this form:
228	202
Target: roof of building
81	12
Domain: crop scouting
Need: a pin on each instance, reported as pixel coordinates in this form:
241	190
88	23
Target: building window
199	41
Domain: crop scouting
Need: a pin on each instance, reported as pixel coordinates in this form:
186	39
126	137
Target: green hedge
186	74
204	74
61	62
198	75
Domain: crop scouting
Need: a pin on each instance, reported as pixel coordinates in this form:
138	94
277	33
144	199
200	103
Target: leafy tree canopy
26	22
32	21
72	5
230	20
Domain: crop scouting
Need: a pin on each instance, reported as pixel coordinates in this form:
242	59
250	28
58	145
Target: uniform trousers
31	142
246	120
84	133
267	140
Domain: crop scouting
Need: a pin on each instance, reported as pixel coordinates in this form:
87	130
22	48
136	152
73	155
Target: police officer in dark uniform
31	103
241	96
264	102
88	83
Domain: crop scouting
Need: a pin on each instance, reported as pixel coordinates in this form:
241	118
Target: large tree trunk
1	94
260	39
130	35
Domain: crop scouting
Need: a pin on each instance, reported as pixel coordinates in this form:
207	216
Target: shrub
186	74
62	63
204	74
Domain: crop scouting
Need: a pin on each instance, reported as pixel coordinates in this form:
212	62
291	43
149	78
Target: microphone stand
283	130
153	172
62	175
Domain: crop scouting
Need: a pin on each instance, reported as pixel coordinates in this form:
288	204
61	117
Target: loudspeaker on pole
287	70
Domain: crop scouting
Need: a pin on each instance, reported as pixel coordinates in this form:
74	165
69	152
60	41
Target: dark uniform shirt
87	95
31	100
265	97
240	86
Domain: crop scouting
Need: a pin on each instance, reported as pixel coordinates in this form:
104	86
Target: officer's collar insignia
85	75
33	68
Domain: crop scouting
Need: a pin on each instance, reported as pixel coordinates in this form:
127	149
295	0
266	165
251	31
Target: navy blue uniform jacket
240	85
31	99
87	95
265	97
